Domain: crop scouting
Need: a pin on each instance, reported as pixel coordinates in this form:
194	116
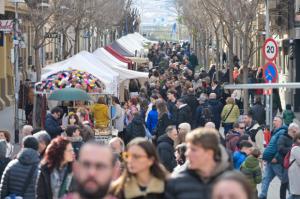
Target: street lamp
16	41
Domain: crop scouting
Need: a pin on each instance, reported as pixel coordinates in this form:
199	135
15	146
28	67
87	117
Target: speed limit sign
270	49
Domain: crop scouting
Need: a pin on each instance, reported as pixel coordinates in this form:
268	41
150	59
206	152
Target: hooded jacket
52	126
251	169
135	129
16	173
165	150
101	116
188	184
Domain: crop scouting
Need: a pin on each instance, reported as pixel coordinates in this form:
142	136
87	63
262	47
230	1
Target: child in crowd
240	156
288	115
251	168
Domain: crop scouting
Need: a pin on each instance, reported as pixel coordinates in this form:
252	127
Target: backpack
253	132
286	160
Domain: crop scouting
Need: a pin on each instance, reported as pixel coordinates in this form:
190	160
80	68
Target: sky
156	12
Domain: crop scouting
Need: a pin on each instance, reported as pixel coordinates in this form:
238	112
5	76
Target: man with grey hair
44	140
27	130
165	148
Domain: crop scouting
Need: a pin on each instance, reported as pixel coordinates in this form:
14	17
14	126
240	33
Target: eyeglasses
242	127
127	155
98	166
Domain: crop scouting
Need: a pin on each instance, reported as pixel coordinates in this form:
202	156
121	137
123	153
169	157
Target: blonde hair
230	100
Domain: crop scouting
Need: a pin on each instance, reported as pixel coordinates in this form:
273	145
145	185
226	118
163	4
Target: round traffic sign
270	49
270	73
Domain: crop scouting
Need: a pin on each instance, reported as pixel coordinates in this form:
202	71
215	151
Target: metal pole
16	66
268	100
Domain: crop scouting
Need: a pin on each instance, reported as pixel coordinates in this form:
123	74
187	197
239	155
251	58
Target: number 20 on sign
270	49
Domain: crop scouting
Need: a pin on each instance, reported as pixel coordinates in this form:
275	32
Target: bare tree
41	16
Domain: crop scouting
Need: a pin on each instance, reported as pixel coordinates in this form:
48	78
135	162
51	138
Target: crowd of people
180	136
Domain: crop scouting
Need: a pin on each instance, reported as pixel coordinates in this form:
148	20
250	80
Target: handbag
227	115
26	185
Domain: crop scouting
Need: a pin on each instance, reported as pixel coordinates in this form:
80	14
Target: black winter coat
52	126
162	124
193	103
202	118
165	150
259	113
187	184
216	107
184	115
135	129
16	173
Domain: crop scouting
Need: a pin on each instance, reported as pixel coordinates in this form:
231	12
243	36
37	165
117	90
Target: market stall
66	79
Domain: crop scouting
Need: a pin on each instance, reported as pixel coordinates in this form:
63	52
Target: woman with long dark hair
143	176
56	170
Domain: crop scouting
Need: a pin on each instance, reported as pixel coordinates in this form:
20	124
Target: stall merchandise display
71	79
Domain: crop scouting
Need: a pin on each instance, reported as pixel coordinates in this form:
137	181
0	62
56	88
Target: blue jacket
152	120
52	126
238	158
271	151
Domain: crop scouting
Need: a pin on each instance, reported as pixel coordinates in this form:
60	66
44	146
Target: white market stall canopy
131	46
82	61
103	54
142	38
125	74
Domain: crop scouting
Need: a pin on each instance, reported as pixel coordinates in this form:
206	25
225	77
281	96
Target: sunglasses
242	127
127	156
